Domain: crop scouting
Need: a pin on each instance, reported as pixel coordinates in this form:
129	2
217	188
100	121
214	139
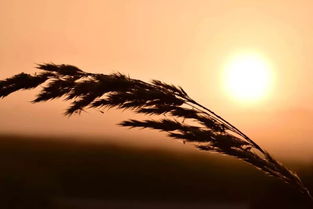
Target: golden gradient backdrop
178	41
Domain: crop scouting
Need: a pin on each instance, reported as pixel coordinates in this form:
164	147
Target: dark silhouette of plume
198	125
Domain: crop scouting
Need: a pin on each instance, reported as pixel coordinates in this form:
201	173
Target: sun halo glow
247	77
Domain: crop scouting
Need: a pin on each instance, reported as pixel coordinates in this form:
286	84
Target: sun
247	77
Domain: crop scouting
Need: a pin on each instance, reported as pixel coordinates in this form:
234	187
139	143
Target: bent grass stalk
180	116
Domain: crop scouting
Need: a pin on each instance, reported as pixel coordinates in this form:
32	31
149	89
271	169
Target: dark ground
43	173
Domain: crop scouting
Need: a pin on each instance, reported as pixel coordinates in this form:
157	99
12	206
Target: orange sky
181	42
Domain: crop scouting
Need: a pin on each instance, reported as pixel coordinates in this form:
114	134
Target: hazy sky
182	42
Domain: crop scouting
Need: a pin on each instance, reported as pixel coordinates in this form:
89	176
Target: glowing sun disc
248	77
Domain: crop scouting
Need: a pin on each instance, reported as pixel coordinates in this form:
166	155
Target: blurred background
86	161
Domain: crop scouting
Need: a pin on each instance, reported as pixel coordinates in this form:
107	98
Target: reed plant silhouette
180	116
